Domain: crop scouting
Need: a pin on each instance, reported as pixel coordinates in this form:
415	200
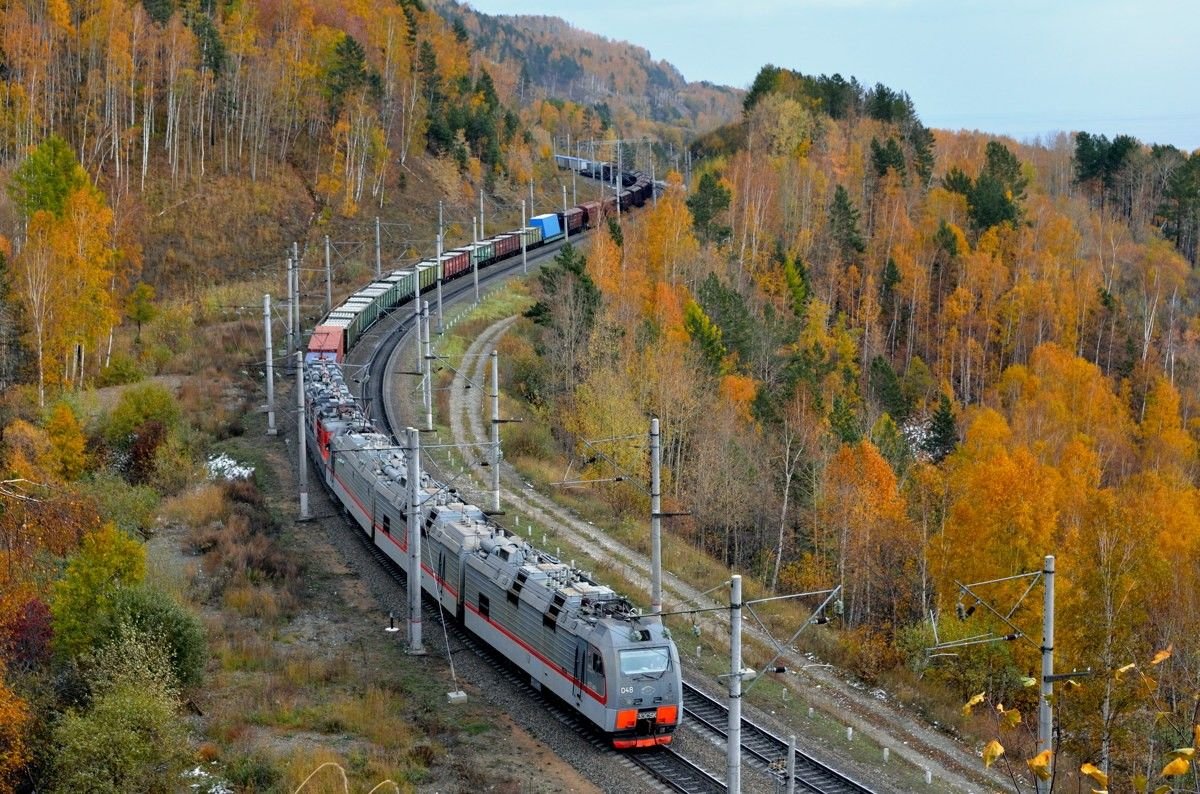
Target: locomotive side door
580	669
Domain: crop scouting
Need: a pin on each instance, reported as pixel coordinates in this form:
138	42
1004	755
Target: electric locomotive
572	635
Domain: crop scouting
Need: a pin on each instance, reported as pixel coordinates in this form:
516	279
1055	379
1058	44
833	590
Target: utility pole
301	425
653	182
440	248
1045	712
617	181
495	432
531	197
328	277
416	277
482	236
475	261
524	260
655	519
427	383
566	233
296	277
413	472
733	775
791	765
270	366
378	249
291	284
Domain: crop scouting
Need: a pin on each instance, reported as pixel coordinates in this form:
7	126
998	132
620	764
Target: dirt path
950	763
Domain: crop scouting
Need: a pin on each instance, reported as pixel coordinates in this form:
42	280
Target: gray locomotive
574	637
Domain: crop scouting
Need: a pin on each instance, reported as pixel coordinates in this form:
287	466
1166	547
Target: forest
885	357
896	359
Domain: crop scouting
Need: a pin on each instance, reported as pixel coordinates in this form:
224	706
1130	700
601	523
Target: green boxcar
428	271
403	281
533	236
482	253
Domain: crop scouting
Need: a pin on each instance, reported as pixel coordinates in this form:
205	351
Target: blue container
548	223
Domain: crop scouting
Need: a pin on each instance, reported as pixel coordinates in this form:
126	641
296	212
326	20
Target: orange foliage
739	391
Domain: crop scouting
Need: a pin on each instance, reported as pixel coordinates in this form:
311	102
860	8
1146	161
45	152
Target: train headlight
626	718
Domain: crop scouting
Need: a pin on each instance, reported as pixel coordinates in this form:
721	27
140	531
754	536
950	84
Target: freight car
572	635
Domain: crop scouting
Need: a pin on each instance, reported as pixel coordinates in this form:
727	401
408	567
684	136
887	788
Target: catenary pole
291	307
440	250
378	248
428	380
733	778
524	260
301	424
495	432
482	234
1045	712
413	472
328	277
475	261
566	233
270	366
655	518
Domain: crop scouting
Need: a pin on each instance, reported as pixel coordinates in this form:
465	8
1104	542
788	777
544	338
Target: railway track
676	772
765	748
662	764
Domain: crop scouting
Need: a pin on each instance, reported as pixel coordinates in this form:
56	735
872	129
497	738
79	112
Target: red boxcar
591	213
573	219
506	244
456	261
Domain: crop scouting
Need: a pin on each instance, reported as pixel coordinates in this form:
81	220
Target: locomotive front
646	677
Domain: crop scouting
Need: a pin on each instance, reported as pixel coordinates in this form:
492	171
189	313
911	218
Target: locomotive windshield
645	661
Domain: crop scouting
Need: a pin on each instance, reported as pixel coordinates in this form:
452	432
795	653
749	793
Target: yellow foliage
1039	765
1162	655
992	753
67	442
1095	774
1177	767
972	703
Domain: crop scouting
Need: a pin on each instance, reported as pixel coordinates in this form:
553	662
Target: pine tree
843	225
943	432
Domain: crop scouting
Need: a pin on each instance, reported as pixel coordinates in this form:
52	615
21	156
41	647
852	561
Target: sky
1023	68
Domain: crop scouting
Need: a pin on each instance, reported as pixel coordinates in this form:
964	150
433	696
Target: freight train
572	635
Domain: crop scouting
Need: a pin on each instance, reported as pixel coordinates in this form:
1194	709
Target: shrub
83	598
139	405
151	612
129	740
252	773
121	370
130	507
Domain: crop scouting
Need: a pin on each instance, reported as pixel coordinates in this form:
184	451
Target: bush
138	406
130	507
155	614
252	773
121	370
83	598
129	740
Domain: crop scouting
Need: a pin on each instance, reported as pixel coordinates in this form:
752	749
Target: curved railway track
664	765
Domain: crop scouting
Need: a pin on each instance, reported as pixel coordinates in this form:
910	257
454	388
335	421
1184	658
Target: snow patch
224	467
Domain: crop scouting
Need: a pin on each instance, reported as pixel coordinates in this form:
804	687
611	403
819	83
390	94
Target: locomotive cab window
645	661
597	663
